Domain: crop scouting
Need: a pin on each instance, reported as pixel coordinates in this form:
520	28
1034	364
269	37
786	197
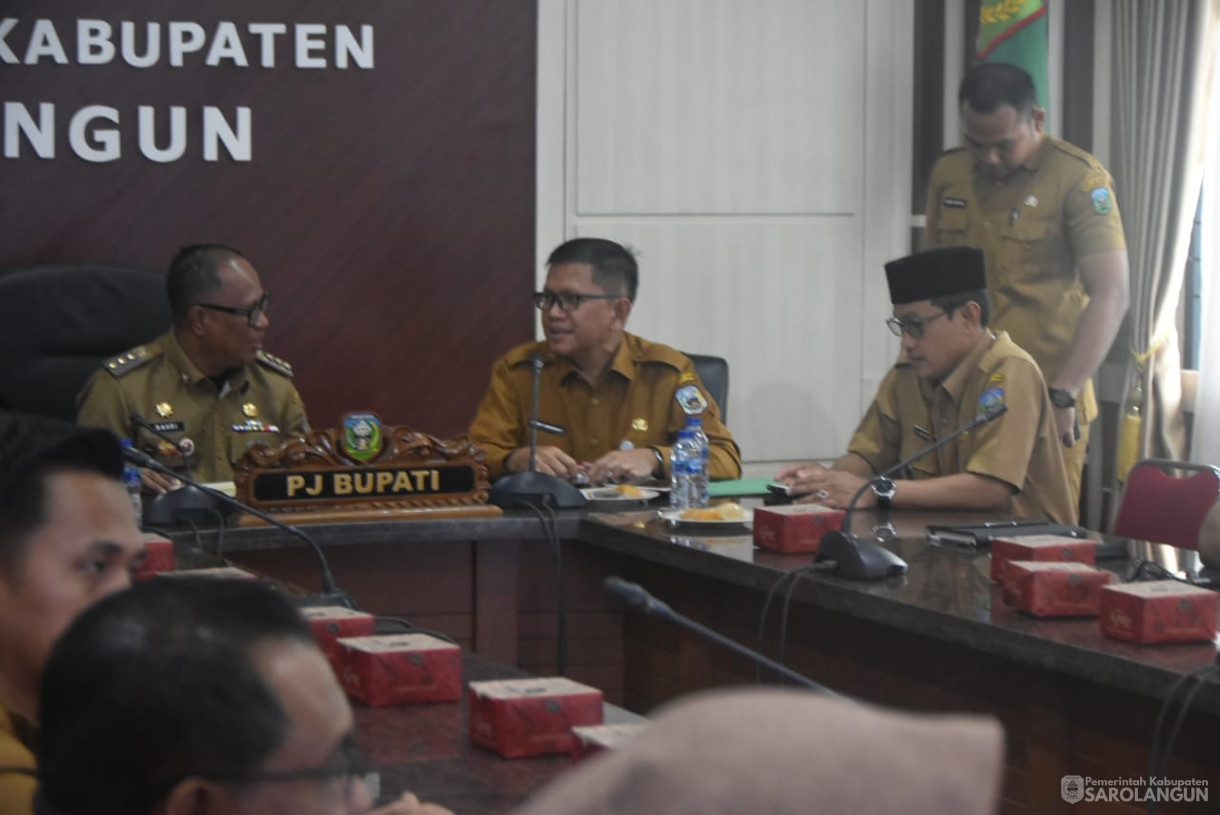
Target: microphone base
181	505
858	559
534	489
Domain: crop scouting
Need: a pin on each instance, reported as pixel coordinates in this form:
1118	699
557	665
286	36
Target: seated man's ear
198	796
622	309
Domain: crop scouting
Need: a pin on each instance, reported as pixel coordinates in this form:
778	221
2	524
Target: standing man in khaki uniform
1044	214
621	399
952	368
207	384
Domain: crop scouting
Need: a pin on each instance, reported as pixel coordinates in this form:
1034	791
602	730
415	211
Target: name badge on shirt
254	426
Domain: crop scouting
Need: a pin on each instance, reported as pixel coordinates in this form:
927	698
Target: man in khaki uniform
207	384
621	399
1044	214
952	368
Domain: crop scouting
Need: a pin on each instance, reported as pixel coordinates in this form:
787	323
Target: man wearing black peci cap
952	367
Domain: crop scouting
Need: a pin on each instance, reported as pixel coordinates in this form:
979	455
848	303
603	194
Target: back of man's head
155	685
31	448
614	267
992	85
193	273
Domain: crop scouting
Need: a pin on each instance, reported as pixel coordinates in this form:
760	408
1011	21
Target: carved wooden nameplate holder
333	476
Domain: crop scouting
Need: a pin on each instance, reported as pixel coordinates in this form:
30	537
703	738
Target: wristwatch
884	489
1061	398
660	461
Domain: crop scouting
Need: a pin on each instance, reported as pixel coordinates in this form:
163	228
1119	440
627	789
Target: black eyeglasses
251	314
349	764
567	301
912	328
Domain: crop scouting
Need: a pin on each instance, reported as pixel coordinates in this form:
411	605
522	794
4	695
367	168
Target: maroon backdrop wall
389	210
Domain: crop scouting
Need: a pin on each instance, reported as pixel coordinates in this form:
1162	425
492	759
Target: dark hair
614	266
31	448
156	684
952	302
991	85
194	272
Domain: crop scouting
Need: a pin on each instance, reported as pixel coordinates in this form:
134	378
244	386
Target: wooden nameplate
326	478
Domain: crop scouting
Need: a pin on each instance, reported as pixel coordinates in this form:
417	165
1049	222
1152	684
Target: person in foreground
620	399
206	384
1044	213
198	696
787	752
68	537
952	368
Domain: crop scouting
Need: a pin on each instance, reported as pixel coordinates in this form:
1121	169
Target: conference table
939	638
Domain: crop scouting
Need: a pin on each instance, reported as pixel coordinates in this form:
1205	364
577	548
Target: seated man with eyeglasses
206	386
618	400
198	695
952	367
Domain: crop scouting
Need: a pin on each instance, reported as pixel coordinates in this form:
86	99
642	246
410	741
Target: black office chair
714	371
58	323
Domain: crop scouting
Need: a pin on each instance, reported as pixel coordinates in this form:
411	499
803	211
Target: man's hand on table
624	466
815	484
550	461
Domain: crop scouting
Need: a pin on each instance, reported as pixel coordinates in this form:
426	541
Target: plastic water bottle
683	464
699	479
131	480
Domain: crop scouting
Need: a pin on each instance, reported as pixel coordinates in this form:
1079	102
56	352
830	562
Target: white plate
674	516
611	494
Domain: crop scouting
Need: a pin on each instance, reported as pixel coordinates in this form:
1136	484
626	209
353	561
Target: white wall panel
757	154
718	106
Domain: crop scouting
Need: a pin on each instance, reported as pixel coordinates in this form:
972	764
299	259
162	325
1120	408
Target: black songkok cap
935	273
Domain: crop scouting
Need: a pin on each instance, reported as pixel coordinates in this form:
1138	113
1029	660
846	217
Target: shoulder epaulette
128	361
1084	156
275	363
658	352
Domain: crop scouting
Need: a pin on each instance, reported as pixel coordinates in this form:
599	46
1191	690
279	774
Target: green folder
738	487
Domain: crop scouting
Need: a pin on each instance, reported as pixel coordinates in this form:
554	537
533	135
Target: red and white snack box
794	527
401	669
1159	611
1053	588
1040	547
330	623
222	572
158	556
531	717
587	741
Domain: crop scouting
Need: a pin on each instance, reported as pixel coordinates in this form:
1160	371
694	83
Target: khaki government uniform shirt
637	402
1032	227
257	404
1020	448
17	767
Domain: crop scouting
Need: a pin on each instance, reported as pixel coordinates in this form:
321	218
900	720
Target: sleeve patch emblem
1103	203
691	399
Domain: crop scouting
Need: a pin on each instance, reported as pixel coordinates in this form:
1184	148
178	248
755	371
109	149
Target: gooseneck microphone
331	593
858	559
530	487
637	598
185	503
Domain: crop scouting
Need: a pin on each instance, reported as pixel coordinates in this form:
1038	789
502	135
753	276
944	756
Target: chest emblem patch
639	424
1031	201
250	409
691	399
163	409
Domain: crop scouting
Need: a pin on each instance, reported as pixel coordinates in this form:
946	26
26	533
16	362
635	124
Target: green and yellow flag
1014	31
